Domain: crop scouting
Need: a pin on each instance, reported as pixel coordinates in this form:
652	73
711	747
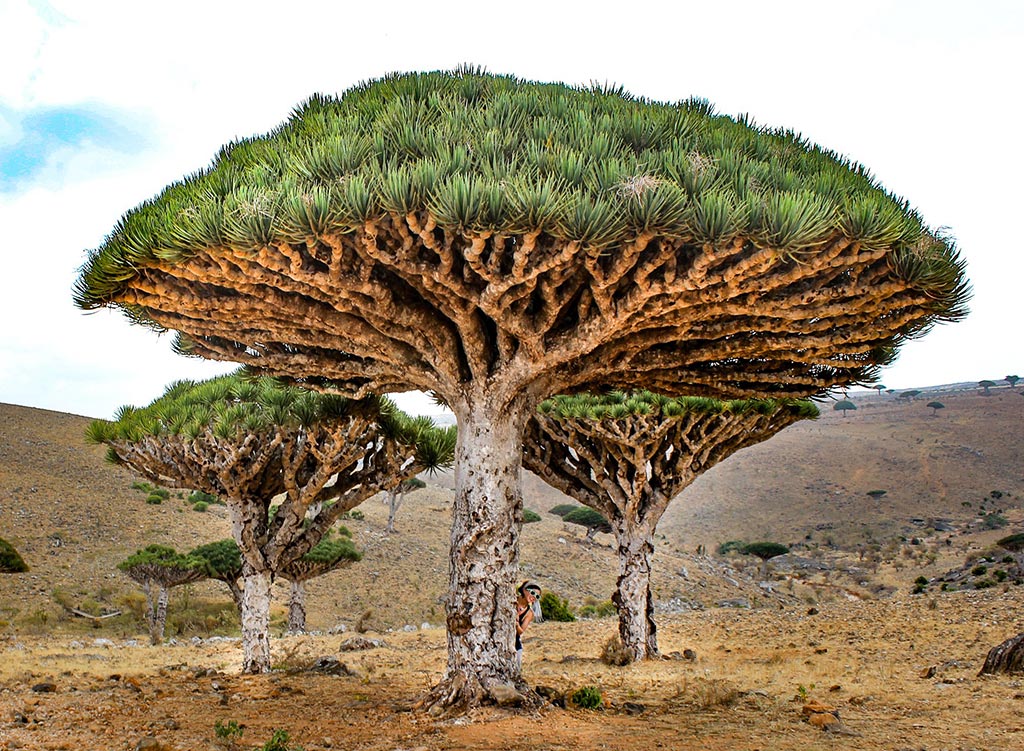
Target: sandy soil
901	673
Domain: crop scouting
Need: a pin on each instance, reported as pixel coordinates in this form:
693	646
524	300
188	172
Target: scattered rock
149	743
45	688
812	611
737	602
505	695
633	708
359	643
328	665
929	672
1007	657
552	695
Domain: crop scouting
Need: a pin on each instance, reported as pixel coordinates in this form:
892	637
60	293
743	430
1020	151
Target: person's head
529	591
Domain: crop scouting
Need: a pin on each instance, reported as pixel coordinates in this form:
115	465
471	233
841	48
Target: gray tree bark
633	597
297	607
156	626
484	556
255	621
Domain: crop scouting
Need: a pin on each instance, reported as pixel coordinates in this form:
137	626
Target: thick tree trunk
483	559
633	597
297	607
156	626
1007	657
255	621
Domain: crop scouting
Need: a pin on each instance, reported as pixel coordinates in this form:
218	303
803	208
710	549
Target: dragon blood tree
223	563
249	440
498	241
11	561
326	556
158	569
627	456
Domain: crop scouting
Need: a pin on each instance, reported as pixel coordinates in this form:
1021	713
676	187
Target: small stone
689	655
149	743
633	708
45	687
812	611
816	707
505	695
929	672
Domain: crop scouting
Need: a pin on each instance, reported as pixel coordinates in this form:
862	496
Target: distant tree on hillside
626	456
936	406
159	568
563	508
879	388
10	561
844	406
986	385
909	394
396	495
876	494
765	550
326	556
224	563
248	440
593	521
1012	380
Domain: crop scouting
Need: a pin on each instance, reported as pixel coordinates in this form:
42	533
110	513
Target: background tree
224	563
159	568
562	509
327	555
879	387
986	385
396	496
909	394
593	521
765	551
936	406
10	561
1012	380
249	440
844	406
626	456
498	241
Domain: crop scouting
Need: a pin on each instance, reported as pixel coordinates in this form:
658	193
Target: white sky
102	104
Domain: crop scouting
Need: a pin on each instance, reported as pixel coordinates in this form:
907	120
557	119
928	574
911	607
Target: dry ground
744	691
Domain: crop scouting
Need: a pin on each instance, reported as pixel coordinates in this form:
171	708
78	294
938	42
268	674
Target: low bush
530	516
593	608
563	508
554	608
200	506
615	653
588	697
154	499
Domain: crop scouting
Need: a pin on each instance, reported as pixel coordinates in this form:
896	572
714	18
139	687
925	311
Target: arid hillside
948	474
750	648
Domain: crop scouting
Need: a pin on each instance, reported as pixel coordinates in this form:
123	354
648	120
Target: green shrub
142	485
554	608
588	697
354	514
11	561
732	545
984	584
154	499
994	520
979	570
197	496
279	742
587	517
563	508
200	506
594	609
764	550
530	516
1000	575
1006	559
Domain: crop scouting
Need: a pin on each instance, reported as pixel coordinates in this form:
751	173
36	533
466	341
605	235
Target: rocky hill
953	481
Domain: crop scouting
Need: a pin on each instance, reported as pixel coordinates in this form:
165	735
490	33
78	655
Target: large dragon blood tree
499	241
251	440
627	456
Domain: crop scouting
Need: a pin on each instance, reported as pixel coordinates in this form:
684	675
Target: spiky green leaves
229	407
165	565
494	153
617	405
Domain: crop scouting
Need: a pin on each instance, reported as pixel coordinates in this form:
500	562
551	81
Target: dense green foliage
563	508
162	556
554	608
11	561
529	517
1012	542
621	404
483	152
223	559
765	550
588	697
587	517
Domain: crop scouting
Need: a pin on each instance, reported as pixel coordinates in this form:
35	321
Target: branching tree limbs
326	556
158	569
498	241
627	456
249	440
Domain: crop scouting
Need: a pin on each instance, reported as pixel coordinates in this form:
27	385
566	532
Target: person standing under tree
527	602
